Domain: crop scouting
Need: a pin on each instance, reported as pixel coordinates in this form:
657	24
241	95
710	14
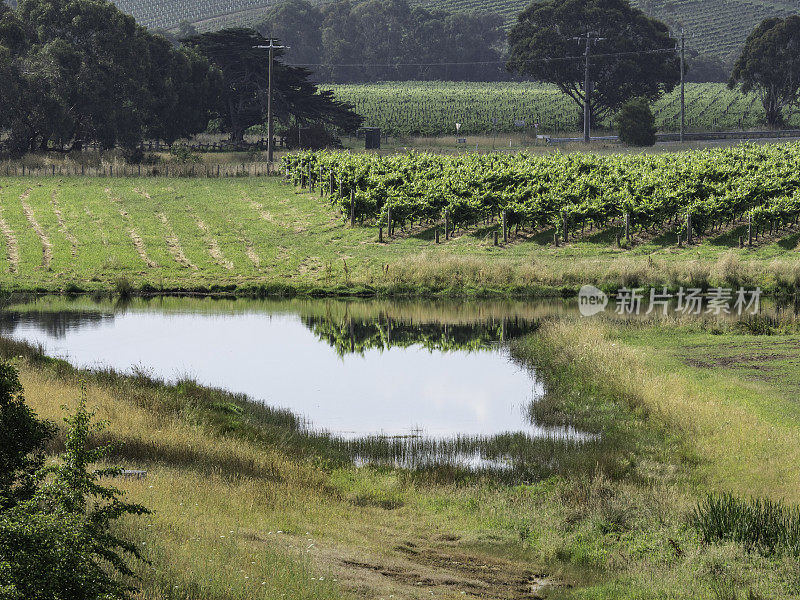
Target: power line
580	57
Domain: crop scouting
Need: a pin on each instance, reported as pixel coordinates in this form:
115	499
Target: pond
351	368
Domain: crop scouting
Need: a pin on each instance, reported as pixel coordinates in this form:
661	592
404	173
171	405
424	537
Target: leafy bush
183	155
636	123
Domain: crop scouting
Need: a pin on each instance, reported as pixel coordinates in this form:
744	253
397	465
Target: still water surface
350	368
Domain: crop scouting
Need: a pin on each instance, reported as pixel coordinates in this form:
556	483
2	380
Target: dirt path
174	244
137	240
425	568
213	247
47	247
62	225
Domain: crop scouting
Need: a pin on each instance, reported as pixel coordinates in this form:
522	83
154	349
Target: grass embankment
225	477
259	236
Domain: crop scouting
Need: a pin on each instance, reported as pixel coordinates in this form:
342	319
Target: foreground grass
259	236
244	508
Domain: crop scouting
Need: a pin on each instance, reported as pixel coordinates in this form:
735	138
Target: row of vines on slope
757	184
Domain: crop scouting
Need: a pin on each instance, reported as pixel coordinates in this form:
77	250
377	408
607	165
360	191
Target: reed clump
759	524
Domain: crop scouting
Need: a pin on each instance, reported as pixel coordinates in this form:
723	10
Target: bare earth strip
47	247
137	240
424	568
248	245
62	225
174	245
267	216
213	247
12	248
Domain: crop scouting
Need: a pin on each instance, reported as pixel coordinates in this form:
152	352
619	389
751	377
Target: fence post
627	228
505	228
688	228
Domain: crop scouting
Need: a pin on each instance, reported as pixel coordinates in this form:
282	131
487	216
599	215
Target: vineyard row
693	193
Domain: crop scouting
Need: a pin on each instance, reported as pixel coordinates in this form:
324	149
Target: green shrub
636	123
59	543
23	438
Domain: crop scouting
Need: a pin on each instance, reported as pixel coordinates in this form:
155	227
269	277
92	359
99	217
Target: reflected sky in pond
350	368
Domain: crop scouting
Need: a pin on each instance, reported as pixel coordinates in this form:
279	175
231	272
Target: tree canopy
80	71
770	66
634	57
375	40
244	96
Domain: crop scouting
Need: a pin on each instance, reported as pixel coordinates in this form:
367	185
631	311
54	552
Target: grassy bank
259	236
247	506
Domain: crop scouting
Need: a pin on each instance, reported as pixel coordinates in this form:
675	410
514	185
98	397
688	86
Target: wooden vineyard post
389	220
555	239
332	184
495	238
446	224
688	228
352	208
505	228
380	234
628	228
321	179
564	227
741	242
750	228
619	238
436	235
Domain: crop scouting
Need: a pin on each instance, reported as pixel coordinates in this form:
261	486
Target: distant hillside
716	27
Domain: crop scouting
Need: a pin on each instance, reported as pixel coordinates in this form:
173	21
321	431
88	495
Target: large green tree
244	97
770	66
634	57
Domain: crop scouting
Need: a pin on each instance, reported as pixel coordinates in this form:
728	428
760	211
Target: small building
372	138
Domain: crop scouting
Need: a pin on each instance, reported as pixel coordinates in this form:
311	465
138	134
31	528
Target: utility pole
587	84
272	47
683	95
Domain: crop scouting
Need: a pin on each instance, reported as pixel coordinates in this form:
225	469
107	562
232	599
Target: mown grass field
258	235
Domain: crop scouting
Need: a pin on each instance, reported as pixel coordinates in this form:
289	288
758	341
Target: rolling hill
715	27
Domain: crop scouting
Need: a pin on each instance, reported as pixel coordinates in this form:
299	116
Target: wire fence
203	170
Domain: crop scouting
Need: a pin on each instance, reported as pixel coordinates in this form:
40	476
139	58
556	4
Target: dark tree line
75	72
388	40
80	71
